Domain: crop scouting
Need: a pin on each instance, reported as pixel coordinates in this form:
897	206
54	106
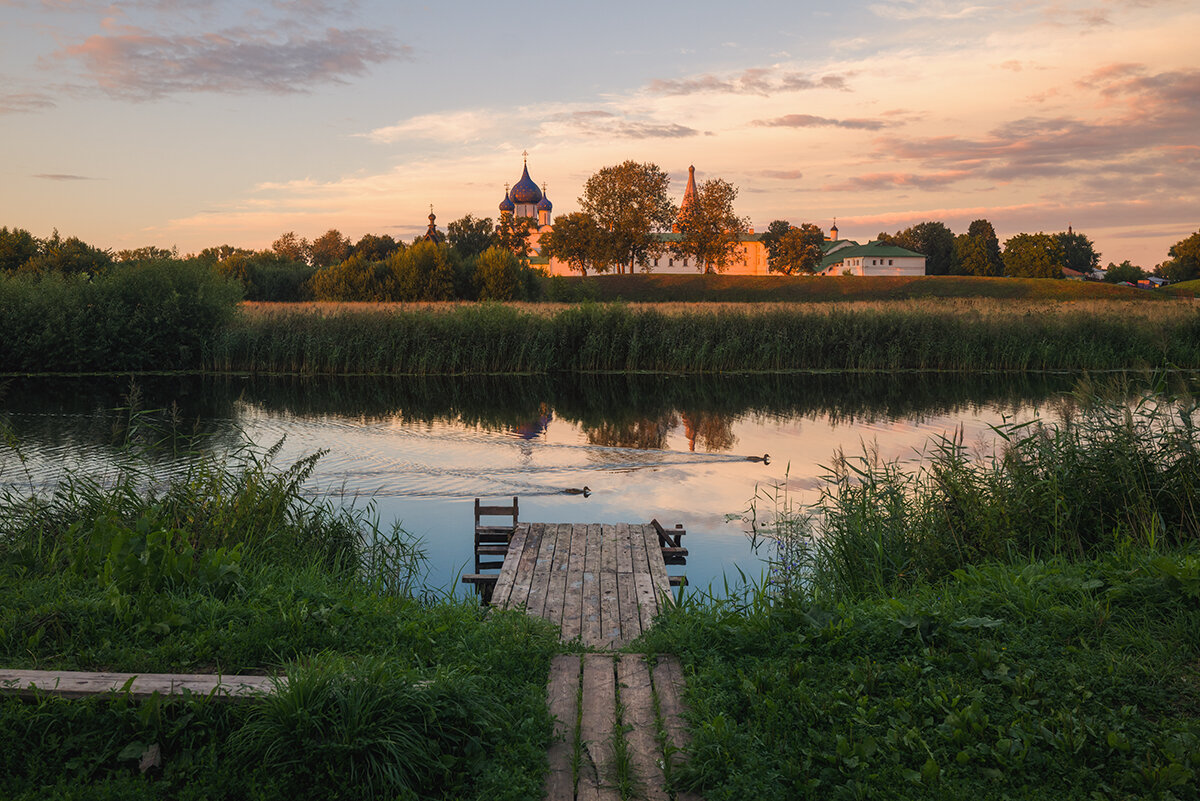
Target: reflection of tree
646	432
713	430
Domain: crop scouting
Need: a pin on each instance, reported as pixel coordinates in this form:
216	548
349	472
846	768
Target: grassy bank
1024	625
826	289
918	335
392	693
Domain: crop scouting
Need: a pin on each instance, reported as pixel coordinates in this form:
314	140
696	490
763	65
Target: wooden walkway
77	684
626	705
601	583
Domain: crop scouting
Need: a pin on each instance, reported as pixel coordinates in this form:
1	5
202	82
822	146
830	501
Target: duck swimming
765	458
585	492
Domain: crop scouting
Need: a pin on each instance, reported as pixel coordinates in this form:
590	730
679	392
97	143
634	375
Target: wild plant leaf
977	623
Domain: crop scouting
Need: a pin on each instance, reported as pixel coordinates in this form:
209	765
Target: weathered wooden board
596	724
79	684
633	676
668	686
508	571
562	696
572	619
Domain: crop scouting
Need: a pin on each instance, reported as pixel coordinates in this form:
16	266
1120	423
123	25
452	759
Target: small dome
525	190
544	204
507	205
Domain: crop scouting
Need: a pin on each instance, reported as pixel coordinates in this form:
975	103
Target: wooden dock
79	684
600	583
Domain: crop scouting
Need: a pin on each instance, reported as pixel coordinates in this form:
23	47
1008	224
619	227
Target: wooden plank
492	550
658	569
673	553
508	572
479	578
647	598
596	725
631	623
610	616
572	619
633	678
80	684
562	697
540	583
590	628
677	581
495	511
524	576
668	686
555	601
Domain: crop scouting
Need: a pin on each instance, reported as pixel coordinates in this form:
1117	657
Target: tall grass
929	335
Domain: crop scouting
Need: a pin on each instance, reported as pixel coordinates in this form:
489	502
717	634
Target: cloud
910	10
62	176
20	103
782	175
608	124
139	65
889	180
754	81
454	126
811	121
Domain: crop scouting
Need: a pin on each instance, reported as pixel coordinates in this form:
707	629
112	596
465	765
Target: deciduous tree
291	247
577	239
978	250
1033	256
770	239
1184	264
513	235
470	235
629	203
709	229
17	247
329	248
1126	271
799	250
1078	252
933	240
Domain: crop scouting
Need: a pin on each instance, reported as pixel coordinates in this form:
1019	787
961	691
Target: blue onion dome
506	204
544	204
525	190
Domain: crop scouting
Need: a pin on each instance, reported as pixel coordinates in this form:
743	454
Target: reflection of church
525	200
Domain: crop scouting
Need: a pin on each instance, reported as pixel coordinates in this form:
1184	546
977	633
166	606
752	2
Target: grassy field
828	289
1022	626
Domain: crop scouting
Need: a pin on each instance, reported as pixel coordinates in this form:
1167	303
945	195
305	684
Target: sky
194	123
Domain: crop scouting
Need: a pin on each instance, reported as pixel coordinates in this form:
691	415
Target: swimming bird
765	458
585	492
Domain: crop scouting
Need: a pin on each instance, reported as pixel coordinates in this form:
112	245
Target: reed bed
966	336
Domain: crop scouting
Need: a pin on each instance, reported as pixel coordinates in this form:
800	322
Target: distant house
847	257
1074	275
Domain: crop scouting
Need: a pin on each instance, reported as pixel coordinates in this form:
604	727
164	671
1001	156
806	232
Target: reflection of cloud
755	81
62	176
140	65
23	102
811	121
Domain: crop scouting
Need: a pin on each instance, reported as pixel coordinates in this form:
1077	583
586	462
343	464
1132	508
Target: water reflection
420	449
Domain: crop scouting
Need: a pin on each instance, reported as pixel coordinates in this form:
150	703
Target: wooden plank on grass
633	678
610	616
631	623
597	767
508	570
572	619
667	678
591	587
80	684
562	696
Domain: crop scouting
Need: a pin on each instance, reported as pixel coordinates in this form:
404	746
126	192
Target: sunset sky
192	123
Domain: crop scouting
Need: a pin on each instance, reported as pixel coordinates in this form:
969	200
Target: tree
978	250
1184	264
471	236
577	239
709	229
629	203
770	239
1079	253
933	240
799	251
1125	271
223	252
423	272
71	256
329	248
375	248
498	275
1033	256
291	247
147	253
513	235
354	279
17	247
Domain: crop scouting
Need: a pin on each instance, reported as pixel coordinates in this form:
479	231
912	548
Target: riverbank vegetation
1021	624
394	691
